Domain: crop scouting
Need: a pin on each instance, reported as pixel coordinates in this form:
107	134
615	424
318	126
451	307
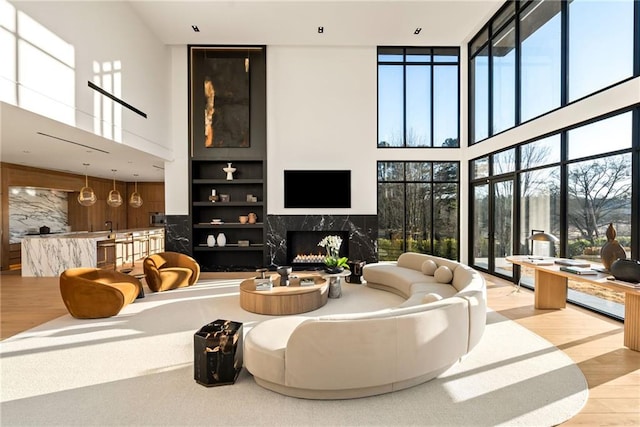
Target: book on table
572	263
578	270
307	281
540	261
635	285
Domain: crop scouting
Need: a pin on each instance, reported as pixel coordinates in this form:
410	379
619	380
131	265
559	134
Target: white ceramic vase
222	239
229	170
211	240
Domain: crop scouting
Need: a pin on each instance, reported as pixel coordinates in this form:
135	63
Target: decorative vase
611	250
284	272
334	270
229	170
211	241
222	240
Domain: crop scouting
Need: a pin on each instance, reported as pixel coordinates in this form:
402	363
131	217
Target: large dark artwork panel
221	90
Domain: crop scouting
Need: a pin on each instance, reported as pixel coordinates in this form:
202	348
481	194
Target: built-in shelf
228	204
227	182
229	225
228	248
249	178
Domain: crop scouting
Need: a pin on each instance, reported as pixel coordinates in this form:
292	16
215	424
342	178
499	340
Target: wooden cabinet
15	256
244	248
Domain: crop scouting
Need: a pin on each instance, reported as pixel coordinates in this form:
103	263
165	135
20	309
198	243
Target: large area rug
137	369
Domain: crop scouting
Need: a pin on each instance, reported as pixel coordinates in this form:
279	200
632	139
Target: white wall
176	183
101	31
321	114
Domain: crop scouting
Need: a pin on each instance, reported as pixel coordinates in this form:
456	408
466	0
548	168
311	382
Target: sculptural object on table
611	250
284	272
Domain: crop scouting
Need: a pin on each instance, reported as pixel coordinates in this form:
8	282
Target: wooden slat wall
81	218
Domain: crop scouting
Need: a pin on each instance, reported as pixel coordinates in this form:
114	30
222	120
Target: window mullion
564	54
518	71
404	100
432	105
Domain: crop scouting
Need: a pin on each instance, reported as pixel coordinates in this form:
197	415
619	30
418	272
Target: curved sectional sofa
364	354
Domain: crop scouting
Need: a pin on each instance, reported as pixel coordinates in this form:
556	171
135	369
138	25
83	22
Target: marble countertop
96	235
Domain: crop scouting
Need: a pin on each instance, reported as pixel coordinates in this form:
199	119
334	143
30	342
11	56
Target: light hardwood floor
594	342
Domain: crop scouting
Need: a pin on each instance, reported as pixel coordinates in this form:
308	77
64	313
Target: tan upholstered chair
92	293
170	270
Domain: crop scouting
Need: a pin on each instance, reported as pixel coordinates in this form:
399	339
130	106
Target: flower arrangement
332	245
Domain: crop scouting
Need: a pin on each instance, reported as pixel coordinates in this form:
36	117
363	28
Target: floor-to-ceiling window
539	195
493	211
599	183
418	107
533	57
570	185
418	208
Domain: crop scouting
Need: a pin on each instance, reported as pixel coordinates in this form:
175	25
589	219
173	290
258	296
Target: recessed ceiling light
417	31
26	151
195	28
320	30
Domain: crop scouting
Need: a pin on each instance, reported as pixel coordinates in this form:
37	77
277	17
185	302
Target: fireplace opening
303	250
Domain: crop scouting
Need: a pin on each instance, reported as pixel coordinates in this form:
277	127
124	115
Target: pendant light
135	200
115	199
246	62
87	196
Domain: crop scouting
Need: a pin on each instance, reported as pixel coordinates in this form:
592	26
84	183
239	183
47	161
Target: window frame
485	37
432	182
432	63
564	163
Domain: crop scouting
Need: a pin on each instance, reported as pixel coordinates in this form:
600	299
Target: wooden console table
551	293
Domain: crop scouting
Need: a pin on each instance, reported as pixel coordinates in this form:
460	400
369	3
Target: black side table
217	349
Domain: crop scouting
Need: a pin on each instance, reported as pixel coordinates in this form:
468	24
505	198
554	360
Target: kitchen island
48	255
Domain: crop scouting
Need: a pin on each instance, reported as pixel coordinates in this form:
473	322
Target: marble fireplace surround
362	231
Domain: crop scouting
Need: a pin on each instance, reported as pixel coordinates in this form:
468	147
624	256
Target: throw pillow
443	274
429	267
431	298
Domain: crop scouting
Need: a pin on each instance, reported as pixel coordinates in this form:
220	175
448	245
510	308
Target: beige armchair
92	293
170	270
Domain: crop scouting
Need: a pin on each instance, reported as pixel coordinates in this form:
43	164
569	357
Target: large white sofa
357	355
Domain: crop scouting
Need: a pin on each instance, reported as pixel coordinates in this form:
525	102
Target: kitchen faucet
110	225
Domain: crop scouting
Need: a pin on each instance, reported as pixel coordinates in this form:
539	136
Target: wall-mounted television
317	188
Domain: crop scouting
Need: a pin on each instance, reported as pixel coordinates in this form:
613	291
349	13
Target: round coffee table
283	300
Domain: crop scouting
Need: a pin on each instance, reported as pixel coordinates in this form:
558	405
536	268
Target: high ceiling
296	22
261	22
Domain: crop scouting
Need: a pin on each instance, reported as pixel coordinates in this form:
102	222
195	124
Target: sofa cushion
464	276
443	274
415	299
390	275
429	267
445	290
412	260
430	297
